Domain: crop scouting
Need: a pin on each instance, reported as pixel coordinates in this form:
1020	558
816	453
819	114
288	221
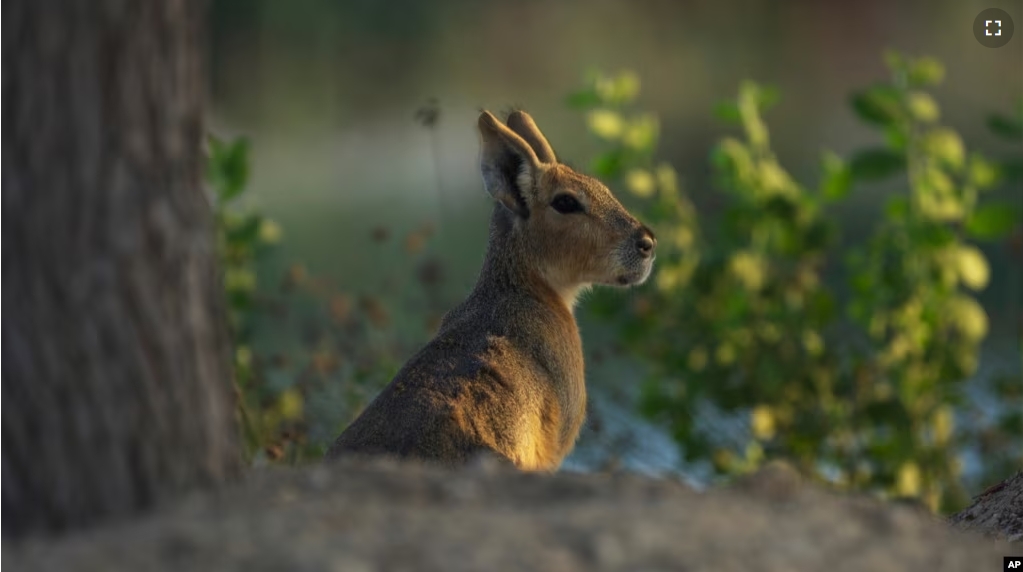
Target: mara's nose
645	244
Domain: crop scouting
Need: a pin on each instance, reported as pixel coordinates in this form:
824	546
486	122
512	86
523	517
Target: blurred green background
360	118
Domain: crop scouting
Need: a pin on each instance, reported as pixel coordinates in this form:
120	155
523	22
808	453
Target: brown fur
505	372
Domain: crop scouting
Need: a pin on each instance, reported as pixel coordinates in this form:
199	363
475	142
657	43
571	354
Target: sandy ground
363	516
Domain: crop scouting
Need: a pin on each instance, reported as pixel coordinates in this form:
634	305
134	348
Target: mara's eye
566	204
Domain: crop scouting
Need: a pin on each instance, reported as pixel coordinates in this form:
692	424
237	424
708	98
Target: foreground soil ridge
369	515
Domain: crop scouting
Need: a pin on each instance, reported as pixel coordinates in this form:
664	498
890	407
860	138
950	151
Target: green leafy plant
914	281
295	395
739	323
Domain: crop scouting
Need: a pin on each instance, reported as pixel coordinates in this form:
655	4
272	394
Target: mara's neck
508	271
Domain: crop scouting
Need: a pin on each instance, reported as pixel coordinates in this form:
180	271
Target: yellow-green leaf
641	133
926	71
813	343
750	268
945	145
269	231
762	422
725	354
972	267
983	174
968	316
943	423
922	107
640	182
290	404
605	123
908	482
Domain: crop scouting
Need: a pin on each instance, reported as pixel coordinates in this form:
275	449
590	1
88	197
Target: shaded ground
380	515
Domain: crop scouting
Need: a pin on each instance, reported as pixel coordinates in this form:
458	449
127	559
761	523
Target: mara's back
505	372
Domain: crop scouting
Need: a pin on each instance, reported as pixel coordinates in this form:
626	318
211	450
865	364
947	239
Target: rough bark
996	512
116	375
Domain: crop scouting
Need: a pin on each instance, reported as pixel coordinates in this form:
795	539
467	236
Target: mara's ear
508	164
520	122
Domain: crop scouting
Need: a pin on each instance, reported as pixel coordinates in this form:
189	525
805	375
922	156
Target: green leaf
781	207
879	105
246	230
228	167
893	412
728	112
897	208
640	133
620	89
983	173
608	165
653	399
696	448
583	99
819	235
875	164
946	145
603	306
1005	127
922	107
925	72
1011	170
822	306
932	235
837	178
1011	422
896	138
766	97
991	221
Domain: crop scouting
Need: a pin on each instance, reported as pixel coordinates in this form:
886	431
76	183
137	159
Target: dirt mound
381	515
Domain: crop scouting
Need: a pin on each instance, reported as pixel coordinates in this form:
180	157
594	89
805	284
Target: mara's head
568	226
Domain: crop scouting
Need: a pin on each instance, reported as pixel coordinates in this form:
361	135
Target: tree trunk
996	512
116	370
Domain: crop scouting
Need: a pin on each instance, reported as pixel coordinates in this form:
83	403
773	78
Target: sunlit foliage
739	323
